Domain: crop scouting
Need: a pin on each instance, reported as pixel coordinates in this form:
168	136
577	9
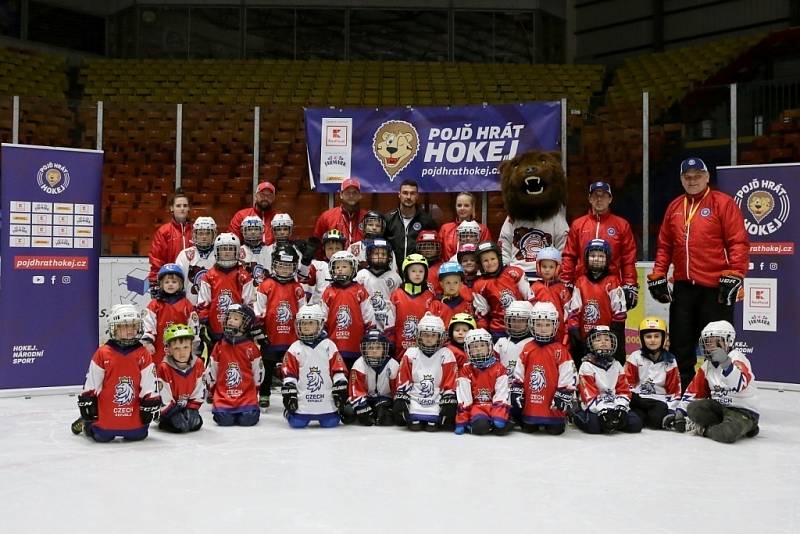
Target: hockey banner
770	316
50	264
447	149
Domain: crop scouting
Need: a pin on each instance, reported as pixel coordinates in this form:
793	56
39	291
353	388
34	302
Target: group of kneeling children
481	359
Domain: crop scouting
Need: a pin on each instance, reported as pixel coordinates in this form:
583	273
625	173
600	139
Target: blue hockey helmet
375	348
451	267
170	268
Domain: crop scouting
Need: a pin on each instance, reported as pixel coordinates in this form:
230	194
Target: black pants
270	359
722	424
692	308
652	412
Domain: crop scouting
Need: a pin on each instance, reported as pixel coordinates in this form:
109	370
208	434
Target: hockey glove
339	393
149	408
675	421
383	412
155	290
87	404
517	396
312	246
364	414
659	288
347	414
620	418
562	400
730	282
608	421
400	408
447	411
289	392
631	296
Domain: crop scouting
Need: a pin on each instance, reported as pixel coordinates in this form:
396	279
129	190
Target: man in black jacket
404	223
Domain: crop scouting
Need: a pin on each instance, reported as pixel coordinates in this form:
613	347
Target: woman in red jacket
704	239
171	237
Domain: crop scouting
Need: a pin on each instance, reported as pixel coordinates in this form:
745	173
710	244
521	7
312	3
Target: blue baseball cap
602	186
693	164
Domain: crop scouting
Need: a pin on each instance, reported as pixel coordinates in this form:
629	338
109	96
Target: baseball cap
351	182
696	164
265	185
602	186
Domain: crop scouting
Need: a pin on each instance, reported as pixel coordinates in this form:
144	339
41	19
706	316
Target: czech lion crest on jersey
343	318
484	396
426	387
591	313
283	314
410	327
196	275
506	298
536	380
647	388
224	301
259	273
314	380
529	242
510	368
123	391
233	375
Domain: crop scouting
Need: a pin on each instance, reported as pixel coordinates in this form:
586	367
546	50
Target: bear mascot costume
534	194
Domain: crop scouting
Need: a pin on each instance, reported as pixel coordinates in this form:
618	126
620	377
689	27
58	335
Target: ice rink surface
271	479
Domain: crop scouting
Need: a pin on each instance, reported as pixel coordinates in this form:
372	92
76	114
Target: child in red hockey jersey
120	395
224	284
347	307
457	329
482	389
597	299
499	285
235	371
604	391
373	381
315	376
425	397
548	288
180	378
170	306
544	377
278	299
454	297
412	300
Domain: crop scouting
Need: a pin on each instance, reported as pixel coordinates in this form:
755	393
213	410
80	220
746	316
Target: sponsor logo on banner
25	354
761	304
336	155
765	206
336	135
53	178
395	144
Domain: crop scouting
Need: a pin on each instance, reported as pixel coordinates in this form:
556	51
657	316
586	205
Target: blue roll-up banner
442	148
50	253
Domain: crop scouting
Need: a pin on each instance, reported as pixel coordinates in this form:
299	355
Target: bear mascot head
534	191
533	185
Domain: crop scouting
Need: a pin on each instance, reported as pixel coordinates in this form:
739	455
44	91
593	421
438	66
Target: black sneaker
263	402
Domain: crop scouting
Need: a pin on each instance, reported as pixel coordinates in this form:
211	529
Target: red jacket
448	234
609	227
340	219
714	240
235	226
168	241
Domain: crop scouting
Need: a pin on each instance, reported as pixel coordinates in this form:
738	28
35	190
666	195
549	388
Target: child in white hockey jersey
180	378
380	281
373	381
604	391
254	254
508	349
425	397
482	389
196	260
653	375
721	402
315	376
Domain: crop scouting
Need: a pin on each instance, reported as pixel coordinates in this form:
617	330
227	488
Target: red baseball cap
351	182
265	185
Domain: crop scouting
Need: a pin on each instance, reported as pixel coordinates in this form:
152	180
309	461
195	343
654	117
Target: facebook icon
53	280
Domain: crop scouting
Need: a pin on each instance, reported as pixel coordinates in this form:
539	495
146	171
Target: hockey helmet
652	324
468	232
375	262
517	318
343	266
247	318
309	322
284	263
373	224
125	315
717	334
252	231
430	324
375	348
226	250
204	230
541	314
478	347
602	342
450	267
178	331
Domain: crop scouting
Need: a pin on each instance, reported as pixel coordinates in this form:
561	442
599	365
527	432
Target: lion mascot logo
426	387
343	317
537	379
233	375
314	380
760	204
284	313
123	391
410	328
224	301
534	190
395	144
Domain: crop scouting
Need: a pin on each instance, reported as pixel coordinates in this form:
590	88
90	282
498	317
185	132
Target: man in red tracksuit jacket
347	217
171	237
600	223
704	238
262	207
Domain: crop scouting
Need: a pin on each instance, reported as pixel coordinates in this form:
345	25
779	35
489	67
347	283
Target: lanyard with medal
687	217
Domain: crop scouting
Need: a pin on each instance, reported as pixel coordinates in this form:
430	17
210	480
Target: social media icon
38	280
750	266
773	266
53	280
66	280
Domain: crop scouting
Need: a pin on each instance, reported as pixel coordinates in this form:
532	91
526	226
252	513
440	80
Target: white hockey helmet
430	324
282	225
204	230
310	315
226	249
125	314
713	333
478	347
469	232
549	253
602	341
517	318
540	314
343	256
252	230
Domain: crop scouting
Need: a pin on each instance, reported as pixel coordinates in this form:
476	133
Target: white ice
272	479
